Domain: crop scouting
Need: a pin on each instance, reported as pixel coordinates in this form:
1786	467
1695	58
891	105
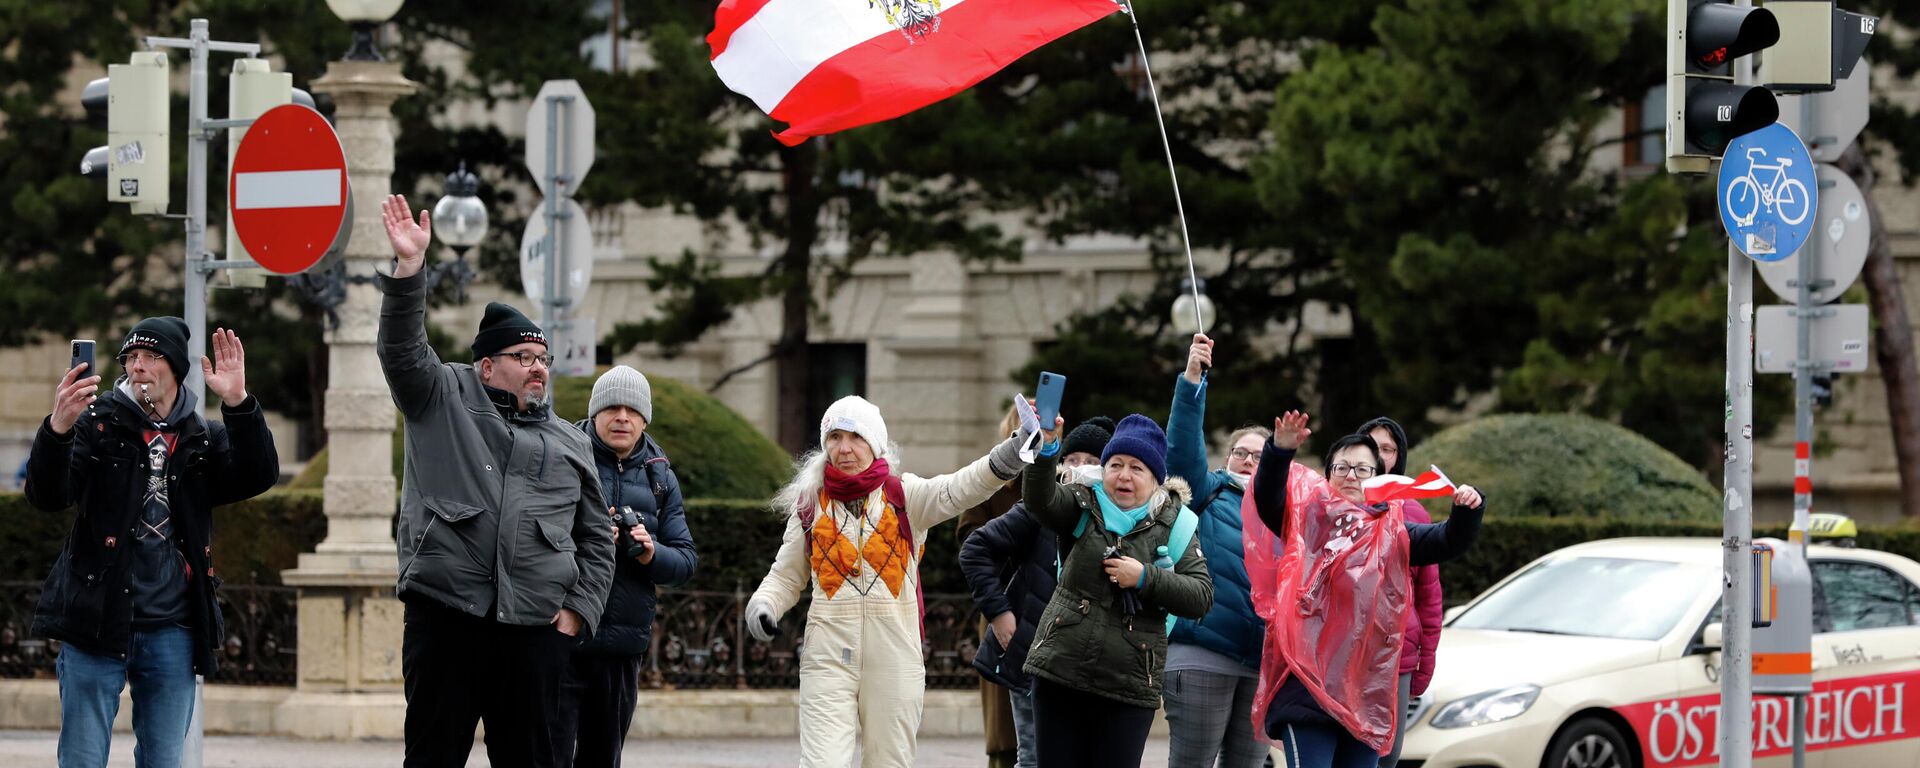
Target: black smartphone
82	353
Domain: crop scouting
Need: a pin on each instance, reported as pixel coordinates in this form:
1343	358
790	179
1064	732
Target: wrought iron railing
697	640
259	648
696	635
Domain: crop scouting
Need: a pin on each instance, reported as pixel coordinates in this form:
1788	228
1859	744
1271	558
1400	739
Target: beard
533	398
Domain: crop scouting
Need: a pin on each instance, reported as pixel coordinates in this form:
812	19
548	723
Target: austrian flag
1431	484
828	65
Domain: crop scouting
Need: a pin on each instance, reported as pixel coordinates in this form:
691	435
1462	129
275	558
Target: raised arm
1435	543
1186	424
407	359
935	500
1276	465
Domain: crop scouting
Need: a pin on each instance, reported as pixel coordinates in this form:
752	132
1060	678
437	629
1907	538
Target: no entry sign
287	192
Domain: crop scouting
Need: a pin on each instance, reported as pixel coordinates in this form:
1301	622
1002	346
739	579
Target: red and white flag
828	65
1431	484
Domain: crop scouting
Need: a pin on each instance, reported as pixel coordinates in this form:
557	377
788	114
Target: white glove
762	623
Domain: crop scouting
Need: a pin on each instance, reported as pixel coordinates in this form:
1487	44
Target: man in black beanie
506	549
131	597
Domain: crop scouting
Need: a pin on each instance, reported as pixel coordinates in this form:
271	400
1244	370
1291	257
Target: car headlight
1487	707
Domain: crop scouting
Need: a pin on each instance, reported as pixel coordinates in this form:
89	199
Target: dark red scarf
843	487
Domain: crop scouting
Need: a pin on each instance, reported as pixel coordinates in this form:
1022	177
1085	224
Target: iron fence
699	640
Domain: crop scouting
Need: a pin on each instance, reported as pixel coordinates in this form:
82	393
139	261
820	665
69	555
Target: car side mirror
1711	637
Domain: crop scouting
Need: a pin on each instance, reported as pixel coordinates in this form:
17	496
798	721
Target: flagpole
1193	277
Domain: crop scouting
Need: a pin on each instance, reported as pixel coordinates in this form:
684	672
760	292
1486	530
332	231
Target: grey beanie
622	386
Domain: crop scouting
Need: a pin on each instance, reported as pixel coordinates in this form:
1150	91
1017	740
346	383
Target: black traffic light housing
1705	109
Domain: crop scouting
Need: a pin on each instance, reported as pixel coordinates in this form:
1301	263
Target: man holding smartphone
131	597
506	551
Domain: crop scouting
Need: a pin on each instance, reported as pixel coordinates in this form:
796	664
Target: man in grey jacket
506	552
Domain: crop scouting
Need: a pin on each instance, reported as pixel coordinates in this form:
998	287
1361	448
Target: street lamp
364	16
460	219
1184	312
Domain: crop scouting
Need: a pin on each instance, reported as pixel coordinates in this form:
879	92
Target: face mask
1087	474
1240	478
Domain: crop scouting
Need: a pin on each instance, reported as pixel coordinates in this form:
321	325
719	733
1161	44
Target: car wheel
1590	743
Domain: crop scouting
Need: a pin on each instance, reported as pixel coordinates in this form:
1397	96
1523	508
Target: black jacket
645	482
1011	564
99	467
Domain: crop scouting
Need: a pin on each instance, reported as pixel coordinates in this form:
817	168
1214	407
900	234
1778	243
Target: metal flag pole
1193	278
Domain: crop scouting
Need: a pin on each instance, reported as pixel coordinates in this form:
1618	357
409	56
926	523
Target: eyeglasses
1356	471
1242	454
139	356
527	359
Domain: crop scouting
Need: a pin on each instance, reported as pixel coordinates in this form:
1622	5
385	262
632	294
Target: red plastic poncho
1334	595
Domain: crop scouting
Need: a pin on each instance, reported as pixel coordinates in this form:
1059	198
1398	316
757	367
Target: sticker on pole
1767	193
287	191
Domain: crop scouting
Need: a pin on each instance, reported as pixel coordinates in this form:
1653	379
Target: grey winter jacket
501	515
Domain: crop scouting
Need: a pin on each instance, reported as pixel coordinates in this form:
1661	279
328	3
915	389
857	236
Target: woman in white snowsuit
856	528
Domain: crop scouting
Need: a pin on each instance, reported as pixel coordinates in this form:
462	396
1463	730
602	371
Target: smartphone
1046	397
82	353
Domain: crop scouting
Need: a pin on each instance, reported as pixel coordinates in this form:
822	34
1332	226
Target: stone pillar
936	371
350	621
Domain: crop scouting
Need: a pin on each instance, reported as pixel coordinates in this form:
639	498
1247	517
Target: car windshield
1594	597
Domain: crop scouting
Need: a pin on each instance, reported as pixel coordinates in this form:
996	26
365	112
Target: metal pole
1736	680
1803	420
196	280
550	302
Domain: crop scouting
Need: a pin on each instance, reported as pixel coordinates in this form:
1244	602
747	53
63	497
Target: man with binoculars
654	549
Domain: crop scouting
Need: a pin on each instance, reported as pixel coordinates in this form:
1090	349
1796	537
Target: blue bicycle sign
1767	193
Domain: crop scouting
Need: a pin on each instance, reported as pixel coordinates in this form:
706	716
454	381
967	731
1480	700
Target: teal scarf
1120	521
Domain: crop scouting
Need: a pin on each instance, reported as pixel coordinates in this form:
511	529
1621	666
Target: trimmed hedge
252	541
716	453
256	539
1565	465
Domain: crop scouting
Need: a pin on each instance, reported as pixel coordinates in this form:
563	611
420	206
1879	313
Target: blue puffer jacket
641	481
1231	628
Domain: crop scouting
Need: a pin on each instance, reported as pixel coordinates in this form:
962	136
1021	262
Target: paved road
36	748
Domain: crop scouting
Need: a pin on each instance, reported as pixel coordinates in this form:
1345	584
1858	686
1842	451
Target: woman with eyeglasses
1331	576
1418	650
1213	664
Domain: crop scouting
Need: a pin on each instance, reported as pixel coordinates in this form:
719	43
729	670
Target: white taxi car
1597	656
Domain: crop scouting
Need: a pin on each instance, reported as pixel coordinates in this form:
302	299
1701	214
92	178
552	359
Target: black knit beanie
1090	437
165	336
502	327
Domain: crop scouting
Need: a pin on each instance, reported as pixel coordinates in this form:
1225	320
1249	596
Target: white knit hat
854	414
622	386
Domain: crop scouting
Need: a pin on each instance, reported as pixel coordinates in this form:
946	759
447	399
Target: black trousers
596	707
461	670
1074	728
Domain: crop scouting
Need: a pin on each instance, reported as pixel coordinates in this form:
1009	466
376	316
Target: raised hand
1466	496
409	239
1199	357
226	373
71	397
1290	430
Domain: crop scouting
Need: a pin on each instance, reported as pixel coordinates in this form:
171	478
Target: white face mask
1086	474
1240	478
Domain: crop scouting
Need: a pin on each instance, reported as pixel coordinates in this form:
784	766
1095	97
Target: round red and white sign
287	191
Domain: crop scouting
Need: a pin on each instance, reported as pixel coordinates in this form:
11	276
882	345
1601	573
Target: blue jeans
1028	756
159	667
1323	746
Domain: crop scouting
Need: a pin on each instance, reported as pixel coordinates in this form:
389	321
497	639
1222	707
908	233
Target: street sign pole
558	163
199	43
1803	420
1736	681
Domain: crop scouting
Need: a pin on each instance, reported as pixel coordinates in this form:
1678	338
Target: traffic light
137	101
252	89
1821	45
1705	109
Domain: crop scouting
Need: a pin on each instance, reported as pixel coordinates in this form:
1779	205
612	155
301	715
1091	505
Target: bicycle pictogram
1746	196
